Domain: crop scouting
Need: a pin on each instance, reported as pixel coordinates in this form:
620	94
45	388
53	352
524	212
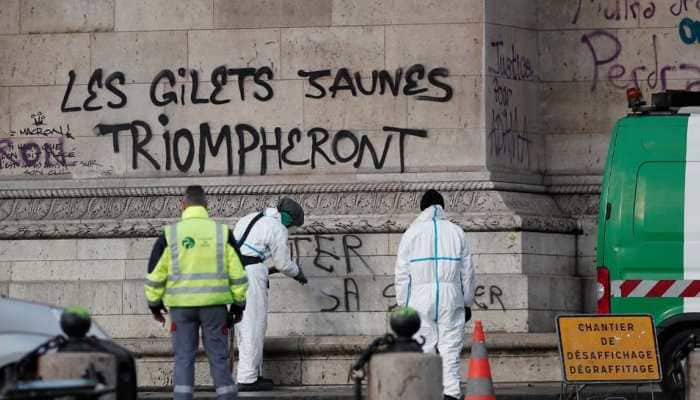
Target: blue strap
259	253
437	258
408	295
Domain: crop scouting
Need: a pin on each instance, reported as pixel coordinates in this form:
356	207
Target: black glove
467	314
158	311
234	315
301	278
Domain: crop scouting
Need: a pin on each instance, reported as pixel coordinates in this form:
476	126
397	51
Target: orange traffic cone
480	386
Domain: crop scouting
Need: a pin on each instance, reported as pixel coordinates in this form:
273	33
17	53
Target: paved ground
544	391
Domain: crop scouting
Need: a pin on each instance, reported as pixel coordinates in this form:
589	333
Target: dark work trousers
186	322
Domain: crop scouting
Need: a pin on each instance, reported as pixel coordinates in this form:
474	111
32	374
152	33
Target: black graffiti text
511	64
409	82
324	247
320	146
493	294
508	135
195	93
351	297
94	100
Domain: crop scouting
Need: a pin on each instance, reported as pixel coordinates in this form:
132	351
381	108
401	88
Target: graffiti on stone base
689	31
508	137
161	146
608	65
356	281
632	10
606	48
41	149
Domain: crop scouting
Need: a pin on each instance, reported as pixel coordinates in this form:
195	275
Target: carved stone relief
122	212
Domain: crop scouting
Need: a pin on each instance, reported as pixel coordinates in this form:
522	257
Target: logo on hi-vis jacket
188	242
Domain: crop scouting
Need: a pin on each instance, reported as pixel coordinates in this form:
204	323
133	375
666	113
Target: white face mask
292	229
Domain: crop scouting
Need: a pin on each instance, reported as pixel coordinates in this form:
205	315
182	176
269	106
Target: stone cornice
574	189
296	189
151	228
340	208
144	191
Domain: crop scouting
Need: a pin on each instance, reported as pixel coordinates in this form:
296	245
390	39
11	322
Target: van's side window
656	216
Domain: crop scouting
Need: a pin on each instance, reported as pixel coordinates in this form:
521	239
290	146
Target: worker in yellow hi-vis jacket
195	271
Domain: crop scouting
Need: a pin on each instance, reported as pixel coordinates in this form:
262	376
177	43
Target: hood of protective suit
436	212
292	208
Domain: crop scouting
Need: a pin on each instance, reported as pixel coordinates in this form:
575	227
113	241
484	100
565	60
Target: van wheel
675	372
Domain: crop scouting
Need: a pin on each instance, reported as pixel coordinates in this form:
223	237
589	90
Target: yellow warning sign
606	348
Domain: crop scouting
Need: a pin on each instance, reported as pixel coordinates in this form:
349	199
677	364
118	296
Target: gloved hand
467	314
301	278
158	312
235	315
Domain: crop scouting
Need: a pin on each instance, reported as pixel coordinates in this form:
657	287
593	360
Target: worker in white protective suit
261	236
434	275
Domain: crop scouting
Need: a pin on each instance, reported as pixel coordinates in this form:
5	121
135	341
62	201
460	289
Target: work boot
448	397
260	385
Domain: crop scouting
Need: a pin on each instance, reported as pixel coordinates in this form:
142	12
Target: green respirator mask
287	219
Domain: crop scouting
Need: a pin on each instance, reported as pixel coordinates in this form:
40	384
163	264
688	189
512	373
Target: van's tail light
603	290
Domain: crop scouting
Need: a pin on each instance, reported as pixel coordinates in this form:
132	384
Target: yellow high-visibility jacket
198	266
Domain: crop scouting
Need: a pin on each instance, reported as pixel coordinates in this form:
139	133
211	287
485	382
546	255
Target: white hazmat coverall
434	276
267	238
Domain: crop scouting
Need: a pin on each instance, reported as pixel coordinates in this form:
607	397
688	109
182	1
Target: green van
648	249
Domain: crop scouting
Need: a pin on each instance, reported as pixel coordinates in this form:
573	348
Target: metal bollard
405	376
693	378
76	365
395	366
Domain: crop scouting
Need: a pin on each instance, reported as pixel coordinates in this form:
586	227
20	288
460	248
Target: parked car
24	325
29	330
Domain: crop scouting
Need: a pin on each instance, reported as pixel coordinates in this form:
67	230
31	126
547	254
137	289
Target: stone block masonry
23	55
47	16
350	281
269	13
135	15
